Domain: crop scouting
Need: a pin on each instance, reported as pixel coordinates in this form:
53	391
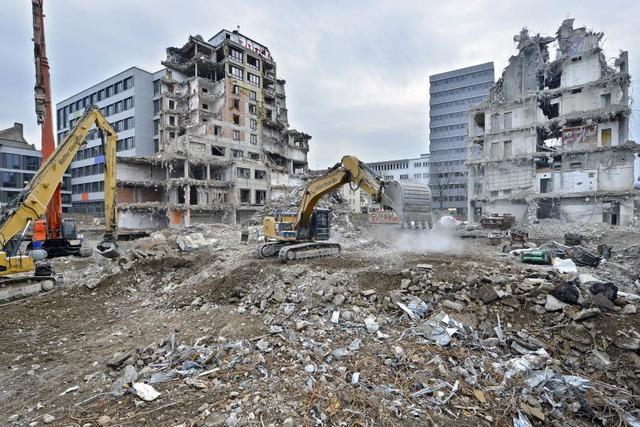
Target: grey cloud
357	72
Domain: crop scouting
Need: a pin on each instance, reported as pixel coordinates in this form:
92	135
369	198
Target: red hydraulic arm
43	112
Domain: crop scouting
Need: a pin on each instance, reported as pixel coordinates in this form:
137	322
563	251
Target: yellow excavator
31	204
304	234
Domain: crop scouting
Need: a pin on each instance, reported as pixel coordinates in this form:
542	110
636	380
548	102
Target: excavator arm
32	201
349	170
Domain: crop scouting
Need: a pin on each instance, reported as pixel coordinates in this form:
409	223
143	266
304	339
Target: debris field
189	328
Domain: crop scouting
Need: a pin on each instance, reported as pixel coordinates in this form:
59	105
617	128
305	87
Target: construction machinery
57	236
304	234
31	203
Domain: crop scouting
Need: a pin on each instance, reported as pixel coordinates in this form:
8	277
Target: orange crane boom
44	114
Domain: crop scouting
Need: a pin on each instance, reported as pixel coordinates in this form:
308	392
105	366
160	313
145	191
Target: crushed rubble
216	337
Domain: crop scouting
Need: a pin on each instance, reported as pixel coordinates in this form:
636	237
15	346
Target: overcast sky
357	72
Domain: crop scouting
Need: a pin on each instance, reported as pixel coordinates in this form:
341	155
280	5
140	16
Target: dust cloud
438	240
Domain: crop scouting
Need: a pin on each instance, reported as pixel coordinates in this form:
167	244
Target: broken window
507	120
253	109
205	90
605	137
261	197
205	106
495	122
576	58
545	185
236	135
235	102
254	156
245	195
574	91
236	119
193	195
260	174
217	151
172	105
575	165
253	139
507	149
243	173
253	62
605	99
172	135
172	120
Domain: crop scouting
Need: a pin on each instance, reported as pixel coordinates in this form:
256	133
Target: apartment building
551	141
221	127
416	169
450	95
19	162
126	101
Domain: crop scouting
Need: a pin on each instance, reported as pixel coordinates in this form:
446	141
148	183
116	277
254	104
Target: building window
253	109
507	149
253	139
217	130
172	120
605	100
236	54
128	83
605	137
237	154
253	79
235	102
254	156
507	120
253	62
236	72
156	106
261	197
117	88
236	90
205	106
156	87
156	126
243	173
404	177
236	119
254	124
236	135
253	95
245	195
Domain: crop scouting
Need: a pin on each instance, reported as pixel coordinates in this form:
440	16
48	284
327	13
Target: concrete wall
142	220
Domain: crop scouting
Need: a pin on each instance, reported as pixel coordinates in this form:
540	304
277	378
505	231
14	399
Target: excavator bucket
108	249
411	201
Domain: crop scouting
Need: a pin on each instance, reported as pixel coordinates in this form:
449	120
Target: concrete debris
216	337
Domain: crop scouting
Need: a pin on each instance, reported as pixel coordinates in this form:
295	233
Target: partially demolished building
222	134
552	139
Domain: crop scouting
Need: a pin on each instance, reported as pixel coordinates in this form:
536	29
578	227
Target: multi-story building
126	100
416	169
551	140
19	161
215	120
223	134
450	96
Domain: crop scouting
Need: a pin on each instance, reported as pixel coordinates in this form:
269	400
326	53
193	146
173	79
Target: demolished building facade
552	139
225	148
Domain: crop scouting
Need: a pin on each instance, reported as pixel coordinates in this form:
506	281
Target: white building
416	169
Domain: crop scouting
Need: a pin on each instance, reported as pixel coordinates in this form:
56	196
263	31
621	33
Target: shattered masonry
224	139
551	140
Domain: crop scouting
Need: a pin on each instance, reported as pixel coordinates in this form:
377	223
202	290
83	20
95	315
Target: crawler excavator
31	203
304	234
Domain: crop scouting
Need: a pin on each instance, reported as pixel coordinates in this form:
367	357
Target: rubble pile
201	333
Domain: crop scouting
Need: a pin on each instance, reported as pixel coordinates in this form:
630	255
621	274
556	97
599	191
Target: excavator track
15	288
269	249
309	250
